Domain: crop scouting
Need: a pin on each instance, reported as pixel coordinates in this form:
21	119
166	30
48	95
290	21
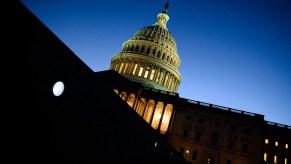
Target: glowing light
58	88
265	156
266	141
275	159
156	144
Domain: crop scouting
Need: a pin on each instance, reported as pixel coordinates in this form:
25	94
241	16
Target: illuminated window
140	70
285	160
265	156
158	76
286	146
125	68
120	68
266	141
134	69
275	159
276	143
152	74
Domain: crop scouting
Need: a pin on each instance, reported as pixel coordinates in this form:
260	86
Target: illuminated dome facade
150	57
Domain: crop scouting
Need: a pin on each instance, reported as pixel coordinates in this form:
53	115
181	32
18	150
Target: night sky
234	53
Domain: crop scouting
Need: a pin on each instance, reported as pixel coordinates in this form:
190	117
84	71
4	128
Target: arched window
159	54
163	57
131	48
127	48
154	52
136	48
142	49
148	50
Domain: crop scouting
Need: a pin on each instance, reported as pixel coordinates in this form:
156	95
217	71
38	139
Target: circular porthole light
58	88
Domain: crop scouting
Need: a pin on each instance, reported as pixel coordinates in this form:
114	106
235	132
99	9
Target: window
230	144
275	159
159	54
146	73
136	48
140	70
265	156
286	146
194	155
285	161
154	52
148	50
276	143
198	136
142	49
214	138
266	141
245	148
163	57
185	133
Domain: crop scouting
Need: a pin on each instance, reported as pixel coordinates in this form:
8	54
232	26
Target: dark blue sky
235	54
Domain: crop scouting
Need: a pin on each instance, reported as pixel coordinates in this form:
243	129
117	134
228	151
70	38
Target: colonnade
148	71
156	113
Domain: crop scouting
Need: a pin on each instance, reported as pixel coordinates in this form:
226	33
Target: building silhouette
130	113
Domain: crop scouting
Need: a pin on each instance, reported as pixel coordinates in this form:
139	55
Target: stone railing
226	108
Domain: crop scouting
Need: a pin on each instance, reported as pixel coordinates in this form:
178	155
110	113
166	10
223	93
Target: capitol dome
150	57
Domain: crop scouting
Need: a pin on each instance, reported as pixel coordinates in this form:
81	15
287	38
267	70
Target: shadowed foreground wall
89	123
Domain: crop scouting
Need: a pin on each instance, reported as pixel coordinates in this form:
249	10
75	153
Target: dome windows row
156	32
147	50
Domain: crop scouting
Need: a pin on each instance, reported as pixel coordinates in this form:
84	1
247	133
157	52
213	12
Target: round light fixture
58	88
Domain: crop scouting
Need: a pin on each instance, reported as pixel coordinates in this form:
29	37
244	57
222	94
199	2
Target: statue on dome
166	8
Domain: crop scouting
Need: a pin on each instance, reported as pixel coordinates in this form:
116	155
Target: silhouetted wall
88	123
